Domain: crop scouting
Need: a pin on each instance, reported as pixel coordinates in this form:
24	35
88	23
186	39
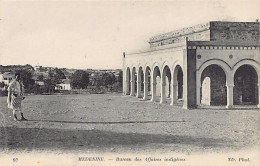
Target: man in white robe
15	96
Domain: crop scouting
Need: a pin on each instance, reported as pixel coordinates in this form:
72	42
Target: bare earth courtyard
112	123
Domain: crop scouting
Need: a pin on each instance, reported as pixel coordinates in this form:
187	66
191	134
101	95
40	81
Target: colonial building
216	63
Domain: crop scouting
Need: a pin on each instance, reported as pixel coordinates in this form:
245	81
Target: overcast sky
94	34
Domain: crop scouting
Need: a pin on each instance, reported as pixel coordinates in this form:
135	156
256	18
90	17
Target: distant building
37	74
6	77
117	73
65	85
41	83
93	77
37	68
43	69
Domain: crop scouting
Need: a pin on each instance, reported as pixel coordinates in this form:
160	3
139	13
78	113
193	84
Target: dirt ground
118	124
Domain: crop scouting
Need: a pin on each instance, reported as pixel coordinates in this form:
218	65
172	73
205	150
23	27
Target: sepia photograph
129	83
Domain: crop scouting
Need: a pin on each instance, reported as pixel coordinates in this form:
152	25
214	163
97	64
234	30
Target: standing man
15	96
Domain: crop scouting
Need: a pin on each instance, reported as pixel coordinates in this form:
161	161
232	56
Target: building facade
215	63
65	85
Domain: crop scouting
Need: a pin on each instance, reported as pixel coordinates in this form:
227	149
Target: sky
94	34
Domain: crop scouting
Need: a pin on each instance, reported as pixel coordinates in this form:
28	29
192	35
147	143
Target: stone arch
174	65
250	62
229	81
246	82
147	65
138	66
213	85
156	75
226	68
166	63
177	85
165	83
154	65
147	81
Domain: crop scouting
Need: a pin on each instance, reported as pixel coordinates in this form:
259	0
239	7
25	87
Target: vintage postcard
130	83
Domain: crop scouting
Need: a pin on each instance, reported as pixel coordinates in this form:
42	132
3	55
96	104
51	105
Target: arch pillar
138	93
127	87
185	95
163	97
132	87
174	87
145	90
146	82
153	91
230	89
198	87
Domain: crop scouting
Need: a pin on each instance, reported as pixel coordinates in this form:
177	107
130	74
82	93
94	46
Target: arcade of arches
181	70
156	85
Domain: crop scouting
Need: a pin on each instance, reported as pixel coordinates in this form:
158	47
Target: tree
117	86
58	76
2	84
79	79
108	79
26	78
120	77
40	78
49	84
54	77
